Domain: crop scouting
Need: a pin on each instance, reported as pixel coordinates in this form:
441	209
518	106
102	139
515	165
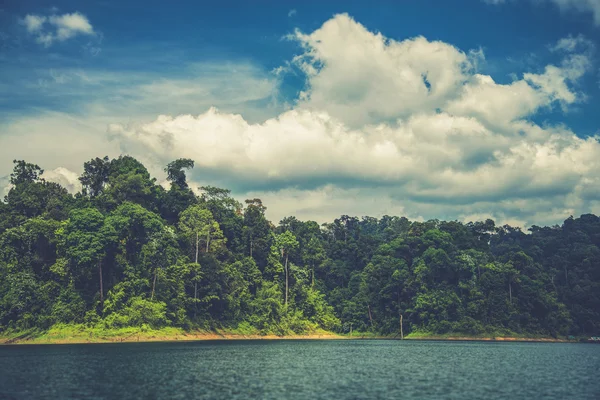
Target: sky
427	109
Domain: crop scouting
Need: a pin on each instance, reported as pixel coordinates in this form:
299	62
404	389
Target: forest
126	252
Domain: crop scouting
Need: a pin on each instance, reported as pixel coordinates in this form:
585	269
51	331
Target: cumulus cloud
364	77
65	177
409	122
48	30
391	127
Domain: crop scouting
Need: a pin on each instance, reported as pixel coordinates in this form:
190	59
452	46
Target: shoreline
157	336
143	338
490	339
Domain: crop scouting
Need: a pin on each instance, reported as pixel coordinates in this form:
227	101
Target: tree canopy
126	252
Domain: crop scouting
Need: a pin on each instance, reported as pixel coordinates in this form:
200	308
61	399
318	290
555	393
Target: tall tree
286	242
176	174
197	224
314	255
85	245
95	176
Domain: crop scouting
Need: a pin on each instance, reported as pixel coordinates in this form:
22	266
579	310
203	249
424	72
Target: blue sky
418	108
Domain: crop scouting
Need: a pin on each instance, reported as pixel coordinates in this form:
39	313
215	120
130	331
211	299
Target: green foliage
25	172
200	228
127	256
139	312
176	174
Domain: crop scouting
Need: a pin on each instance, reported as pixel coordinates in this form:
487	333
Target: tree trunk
154	284
197	244
510	291
313	277
370	316
195	298
251	244
207	240
286	279
101	284
196	283
401	329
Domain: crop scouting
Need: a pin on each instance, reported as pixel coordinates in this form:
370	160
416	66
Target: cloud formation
49	29
383	126
409	120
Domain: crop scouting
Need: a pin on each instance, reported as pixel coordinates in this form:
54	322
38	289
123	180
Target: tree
95	176
314	255
286	242
159	253
85	245
227	212
25	172
257	232
180	196
176	174
197	224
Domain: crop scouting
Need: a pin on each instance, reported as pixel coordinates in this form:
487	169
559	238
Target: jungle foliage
125	252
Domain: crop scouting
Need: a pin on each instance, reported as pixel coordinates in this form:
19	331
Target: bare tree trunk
251	244
510	291
286	279
195	298
154	284
101	284
197	244
370	316
313	277
401	329
207	240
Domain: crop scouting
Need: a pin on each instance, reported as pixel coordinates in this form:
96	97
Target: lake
301	369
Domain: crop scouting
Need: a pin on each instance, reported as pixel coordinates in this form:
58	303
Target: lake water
298	369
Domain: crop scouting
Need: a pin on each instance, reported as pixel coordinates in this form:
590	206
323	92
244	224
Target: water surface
301	369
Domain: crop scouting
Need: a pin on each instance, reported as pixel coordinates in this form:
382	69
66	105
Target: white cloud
34	23
54	140
385	127
65	177
573	43
69	25
385	78
47	30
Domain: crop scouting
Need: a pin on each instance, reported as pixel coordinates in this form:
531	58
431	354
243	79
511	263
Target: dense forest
127	252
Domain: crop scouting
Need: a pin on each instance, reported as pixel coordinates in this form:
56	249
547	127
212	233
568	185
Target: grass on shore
72	333
500	335
78	333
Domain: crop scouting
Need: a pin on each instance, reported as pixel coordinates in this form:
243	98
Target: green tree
286	242
85	245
